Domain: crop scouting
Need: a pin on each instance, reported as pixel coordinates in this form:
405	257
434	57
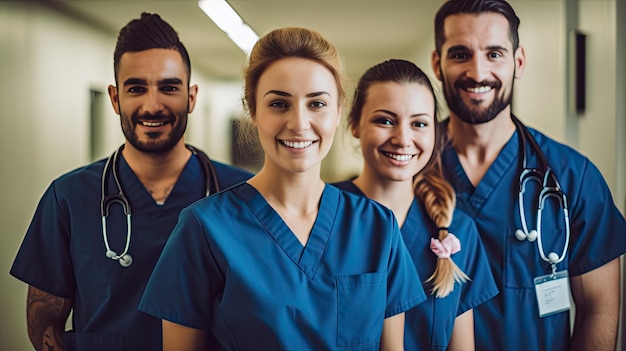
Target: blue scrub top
234	268
63	252
598	235
429	325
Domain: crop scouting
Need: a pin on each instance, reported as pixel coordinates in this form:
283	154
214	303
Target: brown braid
439	201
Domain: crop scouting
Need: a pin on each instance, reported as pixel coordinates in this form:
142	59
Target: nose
152	103
401	135
299	119
477	68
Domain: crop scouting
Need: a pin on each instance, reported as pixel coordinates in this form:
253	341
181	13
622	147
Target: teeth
401	158
153	124
479	90
297	144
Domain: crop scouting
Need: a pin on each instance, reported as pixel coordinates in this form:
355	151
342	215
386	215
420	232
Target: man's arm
596	295
46	315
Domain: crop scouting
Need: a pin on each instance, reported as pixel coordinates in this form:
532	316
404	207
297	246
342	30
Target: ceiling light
223	15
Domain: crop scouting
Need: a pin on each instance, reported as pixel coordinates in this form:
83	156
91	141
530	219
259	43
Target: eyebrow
396	115
140	81
286	94
456	48
387	112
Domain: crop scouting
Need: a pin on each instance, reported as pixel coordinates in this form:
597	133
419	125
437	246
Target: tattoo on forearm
46	315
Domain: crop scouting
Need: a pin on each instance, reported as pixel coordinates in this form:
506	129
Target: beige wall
48	64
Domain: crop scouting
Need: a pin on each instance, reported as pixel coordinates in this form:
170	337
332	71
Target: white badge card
553	294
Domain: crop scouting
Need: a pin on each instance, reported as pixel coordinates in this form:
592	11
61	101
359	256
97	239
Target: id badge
553	293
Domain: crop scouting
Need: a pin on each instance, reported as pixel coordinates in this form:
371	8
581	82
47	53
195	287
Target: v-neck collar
307	257
140	197
476	197
413	223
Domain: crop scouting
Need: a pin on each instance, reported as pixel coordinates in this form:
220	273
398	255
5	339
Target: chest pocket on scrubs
361	301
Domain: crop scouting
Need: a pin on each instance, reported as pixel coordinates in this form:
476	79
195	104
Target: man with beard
537	257
86	250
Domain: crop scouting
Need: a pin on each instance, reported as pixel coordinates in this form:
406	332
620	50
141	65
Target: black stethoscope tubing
551	188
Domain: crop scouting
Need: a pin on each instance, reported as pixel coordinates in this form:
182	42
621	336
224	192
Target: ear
355	131
193	93
436	64
115	98
520	62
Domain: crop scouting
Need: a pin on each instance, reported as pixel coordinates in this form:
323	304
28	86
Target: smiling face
396	129
477	66
297	114
153	99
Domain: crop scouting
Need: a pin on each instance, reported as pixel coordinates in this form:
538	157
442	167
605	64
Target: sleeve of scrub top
598	232
43	259
404	287
183	285
482	286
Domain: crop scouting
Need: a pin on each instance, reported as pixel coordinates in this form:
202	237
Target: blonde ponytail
439	202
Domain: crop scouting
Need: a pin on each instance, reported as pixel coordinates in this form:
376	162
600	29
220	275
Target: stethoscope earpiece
521	236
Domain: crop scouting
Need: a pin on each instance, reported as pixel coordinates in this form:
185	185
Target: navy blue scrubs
511	320
234	268
63	252
429	325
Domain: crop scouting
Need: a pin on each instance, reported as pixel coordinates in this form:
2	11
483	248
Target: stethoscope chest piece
125	260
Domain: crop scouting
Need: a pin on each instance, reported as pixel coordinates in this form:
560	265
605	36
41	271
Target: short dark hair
454	7
145	33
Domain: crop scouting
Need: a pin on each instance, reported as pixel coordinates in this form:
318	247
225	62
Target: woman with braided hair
394	116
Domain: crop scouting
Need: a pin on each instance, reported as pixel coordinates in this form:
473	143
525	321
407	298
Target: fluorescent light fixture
220	12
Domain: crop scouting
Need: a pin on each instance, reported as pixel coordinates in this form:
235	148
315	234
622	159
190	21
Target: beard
474	114
155	143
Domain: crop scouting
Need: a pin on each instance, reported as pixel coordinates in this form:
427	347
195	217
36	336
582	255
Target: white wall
599	122
48	66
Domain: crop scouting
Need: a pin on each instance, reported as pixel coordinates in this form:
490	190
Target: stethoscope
111	166
550	189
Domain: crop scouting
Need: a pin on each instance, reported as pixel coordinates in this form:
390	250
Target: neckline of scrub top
306	257
414	217
414	221
476	197
138	195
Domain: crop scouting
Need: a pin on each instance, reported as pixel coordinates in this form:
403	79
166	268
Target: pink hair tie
448	246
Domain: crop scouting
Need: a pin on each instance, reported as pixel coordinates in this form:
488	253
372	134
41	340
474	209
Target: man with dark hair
86	250
544	212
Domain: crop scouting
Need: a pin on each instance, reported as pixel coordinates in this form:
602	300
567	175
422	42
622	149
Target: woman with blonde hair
285	261
394	116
